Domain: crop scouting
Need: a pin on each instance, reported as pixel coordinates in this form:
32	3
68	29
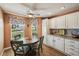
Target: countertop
66	37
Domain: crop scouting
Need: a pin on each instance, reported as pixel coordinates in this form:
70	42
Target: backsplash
53	31
66	32
57	31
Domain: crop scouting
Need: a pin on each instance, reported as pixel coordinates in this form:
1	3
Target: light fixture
62	7
30	15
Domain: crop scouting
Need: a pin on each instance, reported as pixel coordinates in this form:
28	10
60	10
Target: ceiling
44	9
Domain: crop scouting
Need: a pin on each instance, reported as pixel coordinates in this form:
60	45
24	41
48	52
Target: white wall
1	32
44	27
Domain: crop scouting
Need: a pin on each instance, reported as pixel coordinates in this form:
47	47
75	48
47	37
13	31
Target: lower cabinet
44	39
49	40
67	46
72	47
55	42
59	43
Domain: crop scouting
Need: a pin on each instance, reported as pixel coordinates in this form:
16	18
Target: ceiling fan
30	12
33	16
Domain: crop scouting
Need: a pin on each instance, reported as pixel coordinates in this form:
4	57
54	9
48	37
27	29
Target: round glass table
31	43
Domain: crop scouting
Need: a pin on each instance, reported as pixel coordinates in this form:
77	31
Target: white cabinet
55	42
60	22
67	46
49	40
71	21
72	47
44	40
78	19
59	43
51	23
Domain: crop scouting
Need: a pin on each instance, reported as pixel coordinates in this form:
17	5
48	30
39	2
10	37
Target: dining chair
17	37
41	43
19	49
38	46
33	50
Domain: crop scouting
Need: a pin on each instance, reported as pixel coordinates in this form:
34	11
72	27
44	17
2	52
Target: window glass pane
17	29
34	28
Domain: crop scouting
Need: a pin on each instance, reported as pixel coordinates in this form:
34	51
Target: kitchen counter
66	37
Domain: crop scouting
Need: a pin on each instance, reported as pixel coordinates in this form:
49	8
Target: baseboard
7	48
4	50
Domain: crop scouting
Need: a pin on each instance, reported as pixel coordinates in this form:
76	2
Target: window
17	29
34	28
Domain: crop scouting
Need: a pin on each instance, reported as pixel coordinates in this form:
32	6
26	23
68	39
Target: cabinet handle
72	45
72	42
71	48
54	40
71	53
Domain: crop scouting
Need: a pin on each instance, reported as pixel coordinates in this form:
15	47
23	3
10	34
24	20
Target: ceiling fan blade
30	12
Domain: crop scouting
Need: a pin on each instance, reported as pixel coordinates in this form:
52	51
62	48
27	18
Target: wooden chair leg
41	49
14	54
38	52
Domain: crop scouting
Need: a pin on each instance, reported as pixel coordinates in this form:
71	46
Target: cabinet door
71	47
71	20
60	22
49	40
44	39
55	41
59	43
52	23
78	20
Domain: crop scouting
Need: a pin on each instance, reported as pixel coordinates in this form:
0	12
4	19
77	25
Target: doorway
34	29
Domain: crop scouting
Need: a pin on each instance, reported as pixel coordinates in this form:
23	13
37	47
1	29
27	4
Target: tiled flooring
47	51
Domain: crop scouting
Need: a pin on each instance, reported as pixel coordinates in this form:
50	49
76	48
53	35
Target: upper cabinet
60	22
71	21
57	23
52	22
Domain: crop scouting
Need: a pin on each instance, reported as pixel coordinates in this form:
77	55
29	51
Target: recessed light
62	7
